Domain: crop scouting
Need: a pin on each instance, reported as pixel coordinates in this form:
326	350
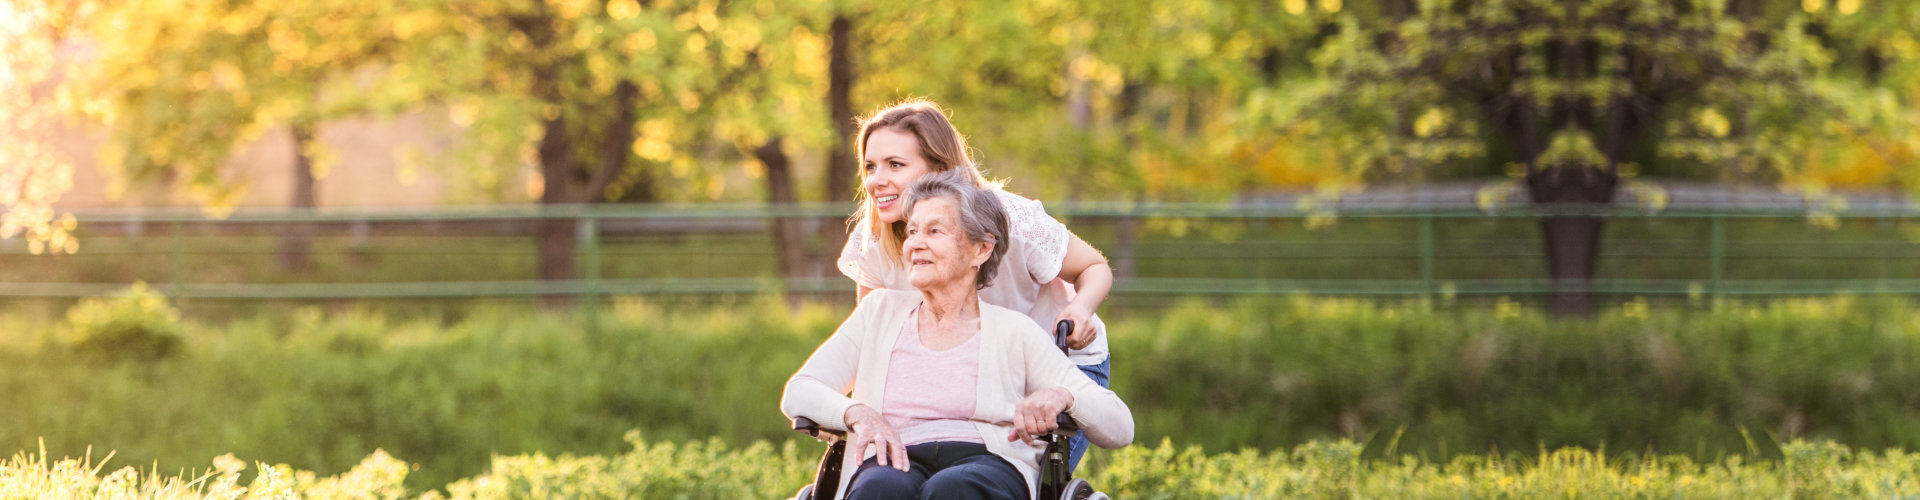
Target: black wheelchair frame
1056	479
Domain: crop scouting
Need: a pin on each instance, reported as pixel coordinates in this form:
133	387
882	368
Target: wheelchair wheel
1078	489
1099	496
806	493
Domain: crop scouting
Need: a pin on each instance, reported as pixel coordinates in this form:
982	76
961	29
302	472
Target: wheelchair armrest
1068	426
807	426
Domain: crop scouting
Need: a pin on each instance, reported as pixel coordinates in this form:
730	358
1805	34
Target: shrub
135	325
326	386
1317	470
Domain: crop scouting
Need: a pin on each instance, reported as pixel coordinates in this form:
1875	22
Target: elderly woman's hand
1039	414
870	428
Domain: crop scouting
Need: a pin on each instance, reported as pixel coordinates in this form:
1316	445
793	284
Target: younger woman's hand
871	429
1083	332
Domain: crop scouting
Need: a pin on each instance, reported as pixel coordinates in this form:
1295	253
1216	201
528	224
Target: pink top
930	394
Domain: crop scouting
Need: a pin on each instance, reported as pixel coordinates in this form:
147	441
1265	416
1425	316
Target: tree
32	177
1577	95
609	99
184	83
1127	100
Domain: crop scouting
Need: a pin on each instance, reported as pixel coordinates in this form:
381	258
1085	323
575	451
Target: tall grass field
1691	401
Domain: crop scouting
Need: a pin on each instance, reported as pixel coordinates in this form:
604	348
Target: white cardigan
1016	359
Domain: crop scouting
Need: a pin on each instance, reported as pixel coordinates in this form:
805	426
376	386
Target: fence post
1426	255
1717	248
174	256
590	241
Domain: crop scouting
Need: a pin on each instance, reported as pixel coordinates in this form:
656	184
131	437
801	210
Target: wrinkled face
893	162
937	251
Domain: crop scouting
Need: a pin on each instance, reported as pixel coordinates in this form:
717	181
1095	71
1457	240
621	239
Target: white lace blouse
1027	281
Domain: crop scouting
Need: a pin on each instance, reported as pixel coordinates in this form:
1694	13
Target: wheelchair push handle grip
1060	333
807	426
1066	423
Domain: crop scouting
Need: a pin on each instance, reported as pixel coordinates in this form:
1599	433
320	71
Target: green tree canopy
1576	97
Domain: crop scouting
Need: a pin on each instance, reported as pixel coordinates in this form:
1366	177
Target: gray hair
982	218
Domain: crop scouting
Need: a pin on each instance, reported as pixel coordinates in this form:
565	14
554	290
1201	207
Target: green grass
252	259
1354	248
324	387
1510	248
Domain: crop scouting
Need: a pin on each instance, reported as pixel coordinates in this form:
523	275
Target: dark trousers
941	470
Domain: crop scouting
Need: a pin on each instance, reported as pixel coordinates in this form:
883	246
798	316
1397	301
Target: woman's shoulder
887	299
888	296
1027	217
880	306
862	260
1012	201
1003	319
1038	238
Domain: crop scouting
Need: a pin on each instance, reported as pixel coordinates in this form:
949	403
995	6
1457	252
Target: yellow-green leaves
32	176
1711	122
623	9
1430	123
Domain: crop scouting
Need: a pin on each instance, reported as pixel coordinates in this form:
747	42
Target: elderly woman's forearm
811	398
818	390
1103	417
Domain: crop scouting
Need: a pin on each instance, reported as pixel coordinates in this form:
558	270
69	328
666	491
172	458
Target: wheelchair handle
1060	333
1061	330
1067	424
807	426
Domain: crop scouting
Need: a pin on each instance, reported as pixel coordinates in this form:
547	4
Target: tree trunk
789	241
295	247
1572	241
555	239
615	148
842	160
840	80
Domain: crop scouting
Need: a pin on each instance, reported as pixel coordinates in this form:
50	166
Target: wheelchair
1056	480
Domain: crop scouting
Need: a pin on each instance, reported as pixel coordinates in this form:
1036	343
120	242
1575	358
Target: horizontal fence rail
1156	249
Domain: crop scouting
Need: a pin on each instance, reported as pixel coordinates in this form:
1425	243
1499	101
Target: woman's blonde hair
940	143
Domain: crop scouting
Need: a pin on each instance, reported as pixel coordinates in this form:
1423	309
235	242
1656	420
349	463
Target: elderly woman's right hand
870	428
1039	414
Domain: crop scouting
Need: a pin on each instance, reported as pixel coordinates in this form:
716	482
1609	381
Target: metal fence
1157	250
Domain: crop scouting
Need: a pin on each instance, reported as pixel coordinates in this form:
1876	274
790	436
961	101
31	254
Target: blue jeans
1100	373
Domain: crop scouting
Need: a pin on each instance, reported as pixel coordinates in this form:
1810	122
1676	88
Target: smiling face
891	162
937	250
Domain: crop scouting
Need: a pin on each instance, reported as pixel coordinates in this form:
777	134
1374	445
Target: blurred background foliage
668	99
576	101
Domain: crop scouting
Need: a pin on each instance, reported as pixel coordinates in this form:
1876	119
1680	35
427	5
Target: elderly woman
948	391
